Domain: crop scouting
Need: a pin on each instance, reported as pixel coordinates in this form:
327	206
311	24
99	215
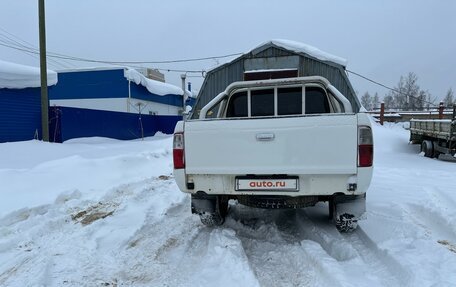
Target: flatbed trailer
437	137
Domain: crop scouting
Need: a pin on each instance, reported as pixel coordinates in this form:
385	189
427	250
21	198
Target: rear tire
345	210
211	219
346	222
428	148
216	218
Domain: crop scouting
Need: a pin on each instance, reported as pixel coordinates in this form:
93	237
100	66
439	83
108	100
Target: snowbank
307	49
16	76
155	87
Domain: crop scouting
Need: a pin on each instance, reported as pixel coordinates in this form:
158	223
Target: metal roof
275	55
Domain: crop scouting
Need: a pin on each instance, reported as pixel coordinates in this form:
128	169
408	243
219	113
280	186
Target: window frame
331	107
249	100
226	101
303	99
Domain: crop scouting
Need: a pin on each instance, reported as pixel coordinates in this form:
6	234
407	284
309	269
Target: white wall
119	105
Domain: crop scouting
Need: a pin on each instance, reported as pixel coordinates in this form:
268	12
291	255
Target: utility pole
43	74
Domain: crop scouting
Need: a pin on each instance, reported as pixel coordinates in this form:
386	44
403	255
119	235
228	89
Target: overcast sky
381	39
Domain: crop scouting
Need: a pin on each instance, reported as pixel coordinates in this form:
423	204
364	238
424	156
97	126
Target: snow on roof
190	94
16	76
306	49
89	69
155	87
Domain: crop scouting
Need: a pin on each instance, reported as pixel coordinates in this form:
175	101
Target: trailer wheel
428	148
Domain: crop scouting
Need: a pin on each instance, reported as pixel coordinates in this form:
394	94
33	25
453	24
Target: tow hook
352	187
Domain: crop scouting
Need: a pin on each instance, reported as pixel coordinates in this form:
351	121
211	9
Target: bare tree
375	102
410	90
449	98
389	101
421	101
399	95
366	101
407	95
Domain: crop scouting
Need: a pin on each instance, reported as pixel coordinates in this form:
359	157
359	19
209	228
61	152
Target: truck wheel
345	210
211	219
428	148
217	217
346	222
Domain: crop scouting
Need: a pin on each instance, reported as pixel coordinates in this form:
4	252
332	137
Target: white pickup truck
285	143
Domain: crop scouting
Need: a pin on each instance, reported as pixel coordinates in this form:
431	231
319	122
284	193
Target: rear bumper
318	184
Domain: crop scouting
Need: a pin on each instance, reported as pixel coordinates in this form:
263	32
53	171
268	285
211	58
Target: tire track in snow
443	208
275	252
179	250
355	251
441	199
431	218
13	270
145	254
377	264
377	259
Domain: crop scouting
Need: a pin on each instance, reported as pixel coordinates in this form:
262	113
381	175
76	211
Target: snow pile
307	49
154	87
99	212
88	165
16	76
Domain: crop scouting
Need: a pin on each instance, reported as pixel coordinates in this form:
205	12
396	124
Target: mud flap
211	209
346	210
203	204
351	204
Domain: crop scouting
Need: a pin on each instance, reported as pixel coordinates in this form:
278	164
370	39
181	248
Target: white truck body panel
314	177
298	145
320	151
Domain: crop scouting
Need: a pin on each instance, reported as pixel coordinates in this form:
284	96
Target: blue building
117	103
20	101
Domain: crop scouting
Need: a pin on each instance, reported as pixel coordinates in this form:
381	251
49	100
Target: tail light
178	151
365	147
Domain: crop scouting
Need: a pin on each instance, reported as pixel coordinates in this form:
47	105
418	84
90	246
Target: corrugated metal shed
20	114
273	56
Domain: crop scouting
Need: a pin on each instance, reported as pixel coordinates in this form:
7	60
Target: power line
73	58
179	60
27	45
391	89
8	40
62	56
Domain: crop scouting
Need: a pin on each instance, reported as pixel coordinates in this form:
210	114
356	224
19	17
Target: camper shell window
282	101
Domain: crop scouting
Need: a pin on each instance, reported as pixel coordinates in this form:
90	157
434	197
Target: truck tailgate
292	145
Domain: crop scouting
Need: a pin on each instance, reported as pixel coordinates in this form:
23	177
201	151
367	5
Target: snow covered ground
100	212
